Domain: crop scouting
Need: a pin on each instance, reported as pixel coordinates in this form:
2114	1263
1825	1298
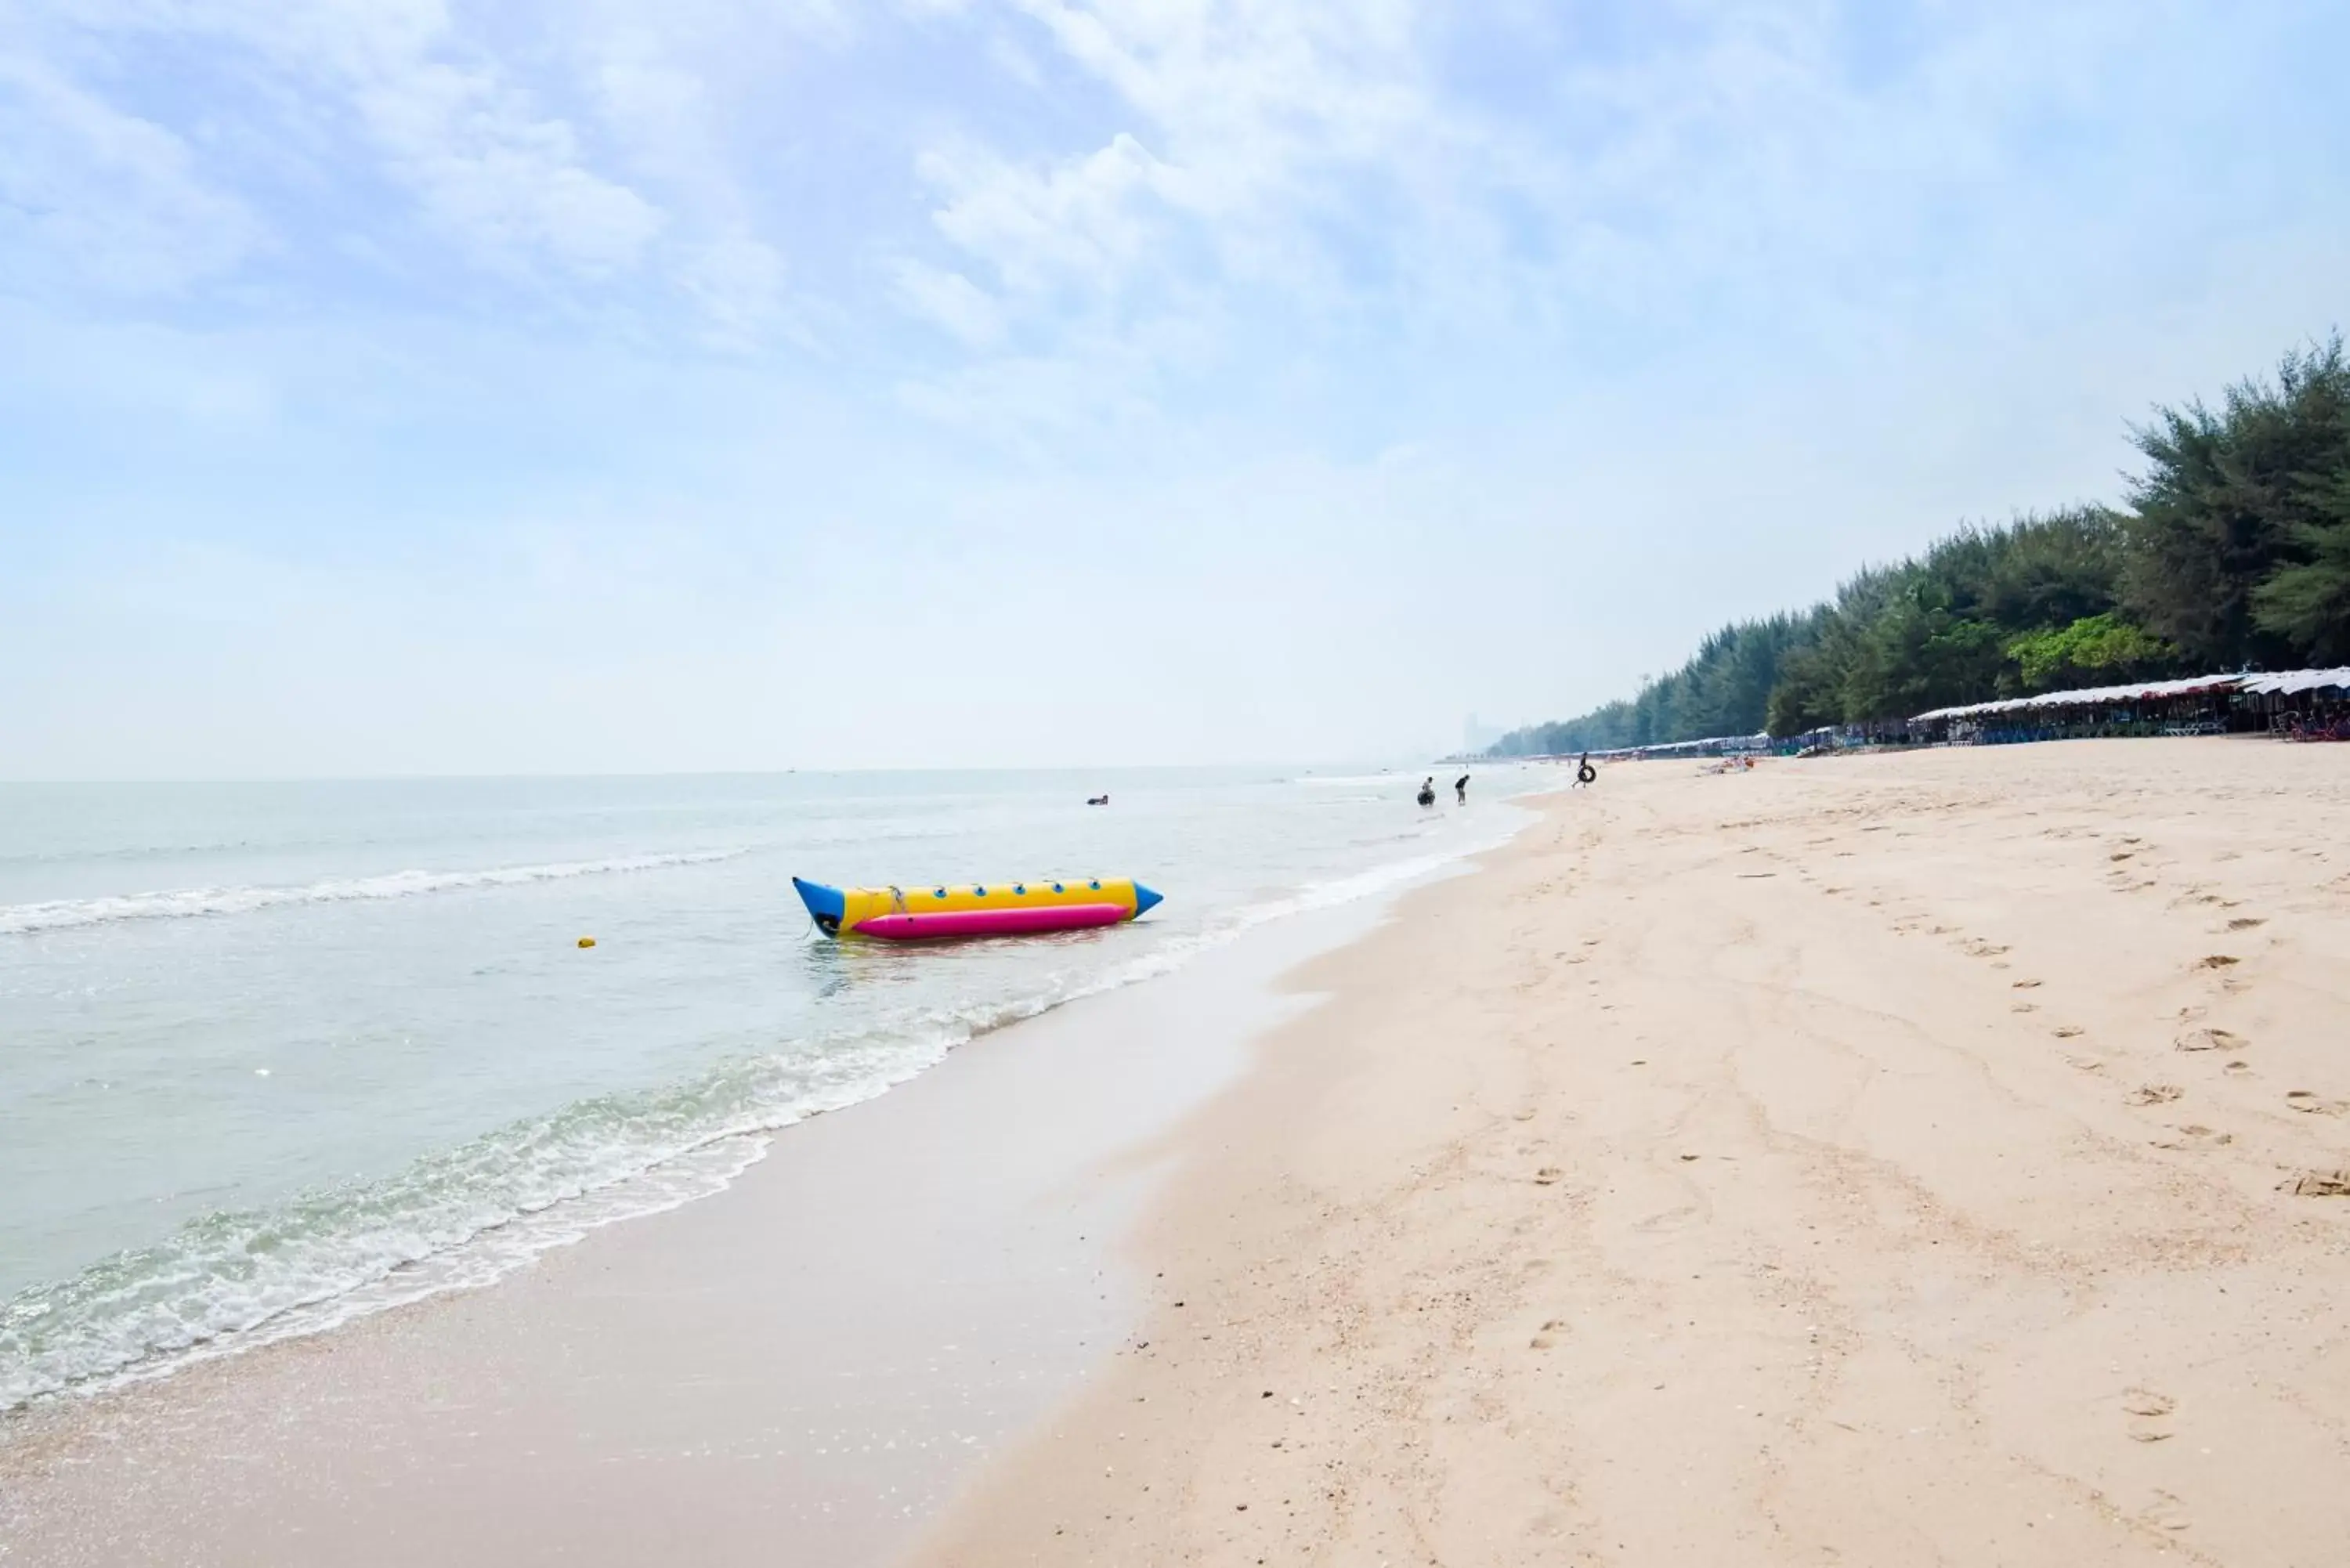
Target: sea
273	1056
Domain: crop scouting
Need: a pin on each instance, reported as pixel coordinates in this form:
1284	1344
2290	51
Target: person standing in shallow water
1460	789
1428	790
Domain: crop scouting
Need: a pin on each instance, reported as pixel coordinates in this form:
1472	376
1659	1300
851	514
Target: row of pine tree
2231	551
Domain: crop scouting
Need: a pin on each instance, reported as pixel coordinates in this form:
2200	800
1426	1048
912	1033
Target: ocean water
272	1056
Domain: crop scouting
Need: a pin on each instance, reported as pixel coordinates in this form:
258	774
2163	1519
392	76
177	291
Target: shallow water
271	1054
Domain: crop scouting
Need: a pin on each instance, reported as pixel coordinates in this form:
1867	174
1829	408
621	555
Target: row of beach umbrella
2285	681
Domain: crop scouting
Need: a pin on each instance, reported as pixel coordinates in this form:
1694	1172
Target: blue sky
396	386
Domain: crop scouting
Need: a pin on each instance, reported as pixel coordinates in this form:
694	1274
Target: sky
397	387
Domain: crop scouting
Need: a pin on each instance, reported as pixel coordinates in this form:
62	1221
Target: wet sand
798	1369
1919	1160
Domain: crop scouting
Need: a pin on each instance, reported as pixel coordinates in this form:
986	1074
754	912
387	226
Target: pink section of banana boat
992	923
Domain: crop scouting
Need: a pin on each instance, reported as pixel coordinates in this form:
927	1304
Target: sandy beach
1915	1159
1934	1159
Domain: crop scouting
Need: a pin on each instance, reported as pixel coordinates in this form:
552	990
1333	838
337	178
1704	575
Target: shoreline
1922	1159
916	1277
306	1113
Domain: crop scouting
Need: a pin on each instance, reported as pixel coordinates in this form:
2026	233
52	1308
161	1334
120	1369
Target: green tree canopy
2232	502
2235	551
2307	602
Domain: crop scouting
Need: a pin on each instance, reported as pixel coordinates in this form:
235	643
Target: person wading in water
1460	789
1428	791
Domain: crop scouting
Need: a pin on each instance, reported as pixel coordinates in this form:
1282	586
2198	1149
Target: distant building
1475	737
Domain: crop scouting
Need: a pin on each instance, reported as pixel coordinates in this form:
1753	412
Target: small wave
232	1281
63	914
1177	951
463	1218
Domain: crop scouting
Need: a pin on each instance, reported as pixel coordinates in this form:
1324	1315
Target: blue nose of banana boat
824	905
1144	898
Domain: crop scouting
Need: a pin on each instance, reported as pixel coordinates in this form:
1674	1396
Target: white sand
1823	1165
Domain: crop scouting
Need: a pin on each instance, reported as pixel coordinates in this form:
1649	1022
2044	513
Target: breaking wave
62	914
461	1218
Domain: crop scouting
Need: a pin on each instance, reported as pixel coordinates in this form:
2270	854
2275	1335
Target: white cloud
93	195
510	184
507	183
952	301
1244	135
1244	112
1082	220
1341	169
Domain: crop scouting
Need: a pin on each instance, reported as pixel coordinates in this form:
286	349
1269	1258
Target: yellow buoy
587	941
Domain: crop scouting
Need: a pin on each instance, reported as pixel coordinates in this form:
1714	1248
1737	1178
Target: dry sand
1914	1159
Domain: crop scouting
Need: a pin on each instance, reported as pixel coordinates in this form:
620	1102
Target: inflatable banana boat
992	909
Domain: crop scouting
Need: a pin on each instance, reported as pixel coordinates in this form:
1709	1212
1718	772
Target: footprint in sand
1543	1340
2194	1136
2237	1069
2153	1094
2319	1184
2022	1007
2165	1511
2245	923
2085	1064
2070	1032
2314	1104
1548	1176
2209	1040
2218	960
2149	1415
2026	985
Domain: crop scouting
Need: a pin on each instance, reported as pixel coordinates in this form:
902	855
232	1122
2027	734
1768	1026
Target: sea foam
62	914
462	1216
